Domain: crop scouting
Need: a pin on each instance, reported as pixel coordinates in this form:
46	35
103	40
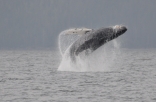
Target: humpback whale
93	39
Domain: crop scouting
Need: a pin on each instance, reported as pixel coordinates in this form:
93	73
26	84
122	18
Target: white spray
102	59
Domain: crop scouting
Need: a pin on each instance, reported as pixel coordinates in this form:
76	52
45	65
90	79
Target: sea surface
32	76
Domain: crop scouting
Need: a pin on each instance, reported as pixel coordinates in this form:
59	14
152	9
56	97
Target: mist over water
102	59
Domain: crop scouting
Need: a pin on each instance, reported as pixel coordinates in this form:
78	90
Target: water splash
102	59
65	40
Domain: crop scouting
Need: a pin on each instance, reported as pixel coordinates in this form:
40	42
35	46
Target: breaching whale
93	39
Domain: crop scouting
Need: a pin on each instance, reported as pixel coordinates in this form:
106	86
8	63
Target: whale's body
94	39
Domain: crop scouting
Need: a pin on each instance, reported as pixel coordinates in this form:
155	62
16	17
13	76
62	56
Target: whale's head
119	29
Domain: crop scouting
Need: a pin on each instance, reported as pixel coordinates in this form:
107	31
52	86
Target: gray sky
33	24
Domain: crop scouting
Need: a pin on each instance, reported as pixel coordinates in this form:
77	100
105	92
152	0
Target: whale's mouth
119	29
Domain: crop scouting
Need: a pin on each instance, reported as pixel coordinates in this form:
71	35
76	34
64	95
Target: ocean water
32	76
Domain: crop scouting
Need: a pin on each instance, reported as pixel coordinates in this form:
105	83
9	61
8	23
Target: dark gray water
32	76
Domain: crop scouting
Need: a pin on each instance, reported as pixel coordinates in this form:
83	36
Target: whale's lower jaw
95	39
